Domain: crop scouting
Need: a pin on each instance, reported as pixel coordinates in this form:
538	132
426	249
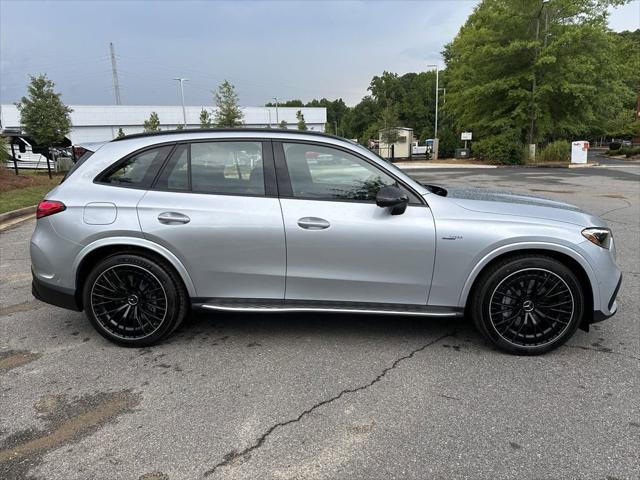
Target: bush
629	151
613	152
558	151
504	148
615	145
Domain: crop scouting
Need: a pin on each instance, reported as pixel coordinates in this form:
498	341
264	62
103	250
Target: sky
286	49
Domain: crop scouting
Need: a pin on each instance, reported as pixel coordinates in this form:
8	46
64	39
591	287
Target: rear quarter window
137	170
85	156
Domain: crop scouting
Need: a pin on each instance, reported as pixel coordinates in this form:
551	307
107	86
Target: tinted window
85	156
328	173
138	170
227	168
175	175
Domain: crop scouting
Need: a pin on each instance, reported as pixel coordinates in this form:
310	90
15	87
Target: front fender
520	246
142	243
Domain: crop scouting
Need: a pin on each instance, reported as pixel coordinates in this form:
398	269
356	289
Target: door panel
364	255
232	246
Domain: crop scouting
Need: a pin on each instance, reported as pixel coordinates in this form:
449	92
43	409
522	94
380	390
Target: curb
553	165
422	166
25	212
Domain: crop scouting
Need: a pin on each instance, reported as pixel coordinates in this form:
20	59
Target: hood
507	203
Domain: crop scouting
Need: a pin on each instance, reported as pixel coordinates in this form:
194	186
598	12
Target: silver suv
150	226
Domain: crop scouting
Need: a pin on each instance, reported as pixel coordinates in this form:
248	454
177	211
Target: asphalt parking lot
304	396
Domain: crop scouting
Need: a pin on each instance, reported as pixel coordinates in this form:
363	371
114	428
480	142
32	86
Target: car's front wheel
528	304
134	300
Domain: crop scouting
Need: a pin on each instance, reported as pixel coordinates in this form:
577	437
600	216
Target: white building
98	123
401	147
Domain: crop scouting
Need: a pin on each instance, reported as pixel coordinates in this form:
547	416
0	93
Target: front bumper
612	307
53	295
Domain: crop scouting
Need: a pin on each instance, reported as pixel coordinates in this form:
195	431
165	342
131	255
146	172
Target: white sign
465	136
579	151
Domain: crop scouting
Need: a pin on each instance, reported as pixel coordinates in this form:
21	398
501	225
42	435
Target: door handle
173	218
313	223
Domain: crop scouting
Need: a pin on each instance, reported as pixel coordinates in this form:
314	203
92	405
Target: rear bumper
52	295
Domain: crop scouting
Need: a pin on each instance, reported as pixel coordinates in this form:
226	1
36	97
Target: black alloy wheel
531	307
134	300
527	304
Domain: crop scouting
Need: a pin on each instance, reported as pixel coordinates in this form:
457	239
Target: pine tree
228	113
153	124
120	133
205	119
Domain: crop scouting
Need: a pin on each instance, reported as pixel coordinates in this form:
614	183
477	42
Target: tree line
518	72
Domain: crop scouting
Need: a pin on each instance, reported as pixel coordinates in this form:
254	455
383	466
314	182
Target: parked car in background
151	226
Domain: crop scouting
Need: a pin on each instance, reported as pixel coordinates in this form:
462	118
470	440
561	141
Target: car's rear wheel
134	300
527	305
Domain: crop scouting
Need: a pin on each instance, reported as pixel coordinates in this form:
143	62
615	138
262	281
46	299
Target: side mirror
394	198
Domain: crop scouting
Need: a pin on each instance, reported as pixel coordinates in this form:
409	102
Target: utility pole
277	118
435	129
114	73
184	112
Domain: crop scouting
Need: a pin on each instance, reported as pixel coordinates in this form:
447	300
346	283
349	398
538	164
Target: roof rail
226	130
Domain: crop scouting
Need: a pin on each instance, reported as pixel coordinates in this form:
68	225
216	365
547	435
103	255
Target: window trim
153	186
284	181
270	182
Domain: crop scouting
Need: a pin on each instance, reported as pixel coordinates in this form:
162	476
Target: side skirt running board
277	306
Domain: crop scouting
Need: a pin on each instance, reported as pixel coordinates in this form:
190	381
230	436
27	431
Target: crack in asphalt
603	350
233	455
628	204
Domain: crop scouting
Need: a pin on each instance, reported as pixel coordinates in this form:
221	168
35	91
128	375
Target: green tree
228	113
302	125
388	124
205	119
120	133
544	70
180	126
153	124
42	114
283	125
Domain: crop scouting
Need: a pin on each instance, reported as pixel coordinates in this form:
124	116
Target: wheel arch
567	256
109	246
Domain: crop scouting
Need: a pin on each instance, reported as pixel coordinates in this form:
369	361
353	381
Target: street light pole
184	112
435	129
277	117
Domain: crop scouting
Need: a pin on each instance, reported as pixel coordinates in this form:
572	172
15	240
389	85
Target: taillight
49	207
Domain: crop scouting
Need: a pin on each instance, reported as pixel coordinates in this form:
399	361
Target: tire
527	305
134	300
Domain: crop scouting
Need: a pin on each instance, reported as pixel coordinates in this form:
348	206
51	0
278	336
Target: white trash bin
579	150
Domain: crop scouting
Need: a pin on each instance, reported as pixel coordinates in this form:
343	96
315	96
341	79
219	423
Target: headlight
599	236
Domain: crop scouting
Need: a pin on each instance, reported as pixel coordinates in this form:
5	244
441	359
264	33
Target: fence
23	157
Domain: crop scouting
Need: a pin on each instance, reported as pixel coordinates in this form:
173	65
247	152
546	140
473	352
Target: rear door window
228	168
